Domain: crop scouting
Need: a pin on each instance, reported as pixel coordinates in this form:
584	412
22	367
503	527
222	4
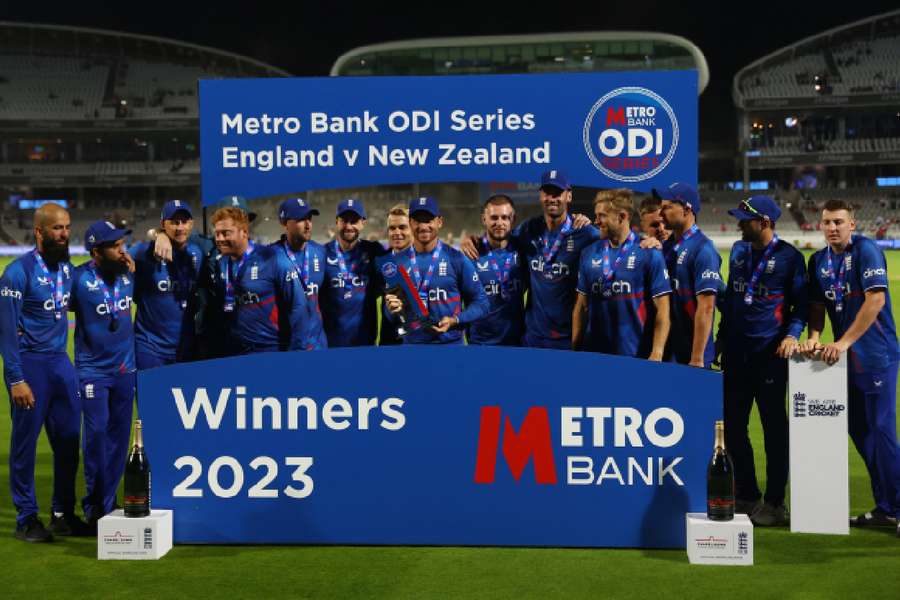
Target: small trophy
398	282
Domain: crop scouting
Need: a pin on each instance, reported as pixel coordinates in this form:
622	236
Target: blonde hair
619	199
398	210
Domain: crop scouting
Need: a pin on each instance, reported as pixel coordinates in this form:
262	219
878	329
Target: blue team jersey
349	299
620	308
453	282
504	278
693	266
271	311
865	269
32	317
102	350
310	264
780	296
163	291
551	296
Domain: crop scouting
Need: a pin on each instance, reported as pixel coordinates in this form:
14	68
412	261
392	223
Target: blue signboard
263	137
430	445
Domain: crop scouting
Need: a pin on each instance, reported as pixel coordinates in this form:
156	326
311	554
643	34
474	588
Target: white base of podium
134	538
719	542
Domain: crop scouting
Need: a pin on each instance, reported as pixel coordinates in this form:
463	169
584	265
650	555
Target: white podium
817	413
719	542
134	538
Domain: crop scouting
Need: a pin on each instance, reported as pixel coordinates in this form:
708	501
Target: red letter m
533	439
614	116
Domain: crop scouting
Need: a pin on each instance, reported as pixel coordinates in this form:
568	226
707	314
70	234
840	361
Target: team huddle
647	290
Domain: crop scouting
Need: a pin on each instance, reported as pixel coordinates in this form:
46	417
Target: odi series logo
631	134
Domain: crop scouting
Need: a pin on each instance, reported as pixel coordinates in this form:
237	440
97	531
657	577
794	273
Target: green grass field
865	564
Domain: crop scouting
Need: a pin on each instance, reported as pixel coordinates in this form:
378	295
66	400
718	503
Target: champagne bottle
137	478
720	481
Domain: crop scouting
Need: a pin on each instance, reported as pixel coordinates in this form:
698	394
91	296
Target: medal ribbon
228	275
549	251
112	308
757	272
609	272
422	285
57	292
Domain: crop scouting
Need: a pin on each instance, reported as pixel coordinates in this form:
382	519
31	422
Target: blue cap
235	202
681	193
295	209
351	205
756	207
556	179
102	232
425	204
173	206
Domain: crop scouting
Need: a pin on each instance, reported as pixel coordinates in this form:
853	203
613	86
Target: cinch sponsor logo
50	305
312	289
829	293
248	298
616	287
122	305
167	285
874	272
437	295
493	287
533	442
709	274
631	134
556	269
10	293
740	286
355	281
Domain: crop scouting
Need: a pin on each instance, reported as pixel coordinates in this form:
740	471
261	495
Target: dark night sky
307	38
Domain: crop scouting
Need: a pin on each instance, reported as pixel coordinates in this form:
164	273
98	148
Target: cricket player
43	387
503	276
399	239
265	305
849	280
307	256
349	298
693	264
623	289
164	291
102	295
443	278
764	313
652	224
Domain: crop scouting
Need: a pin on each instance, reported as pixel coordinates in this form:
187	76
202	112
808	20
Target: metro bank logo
582	427
631	134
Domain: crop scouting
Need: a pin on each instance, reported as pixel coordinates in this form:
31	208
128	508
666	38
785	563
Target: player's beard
349	235
112	268
55	252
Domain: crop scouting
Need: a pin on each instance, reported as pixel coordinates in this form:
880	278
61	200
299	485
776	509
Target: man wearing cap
209	326
693	264
349	305
623	289
307	256
551	246
265	307
503	276
443	278
102	294
763	315
43	387
849	281
164	292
